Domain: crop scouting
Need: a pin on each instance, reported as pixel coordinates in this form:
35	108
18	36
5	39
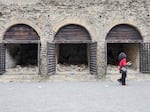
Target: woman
123	67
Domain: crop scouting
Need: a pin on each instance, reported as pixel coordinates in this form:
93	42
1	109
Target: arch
22	44
72	33
124	33
123	38
76	21
72	46
16	21
21	32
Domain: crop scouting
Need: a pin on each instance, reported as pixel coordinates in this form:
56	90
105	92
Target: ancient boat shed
53	37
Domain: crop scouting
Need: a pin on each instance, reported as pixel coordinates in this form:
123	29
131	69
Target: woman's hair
121	56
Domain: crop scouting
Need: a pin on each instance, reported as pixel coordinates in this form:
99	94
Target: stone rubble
72	68
29	68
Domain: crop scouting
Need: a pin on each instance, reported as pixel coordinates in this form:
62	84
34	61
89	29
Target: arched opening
72	49
123	38
22	49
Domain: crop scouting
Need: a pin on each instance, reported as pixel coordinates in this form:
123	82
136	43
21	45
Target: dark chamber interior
113	51
131	50
72	54
22	54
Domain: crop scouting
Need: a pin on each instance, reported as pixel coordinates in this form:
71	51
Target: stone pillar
43	58
101	61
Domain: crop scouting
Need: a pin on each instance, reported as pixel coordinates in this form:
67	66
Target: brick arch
21	32
14	22
123	33
75	21
72	33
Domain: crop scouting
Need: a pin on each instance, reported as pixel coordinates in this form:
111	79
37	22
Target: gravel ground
100	96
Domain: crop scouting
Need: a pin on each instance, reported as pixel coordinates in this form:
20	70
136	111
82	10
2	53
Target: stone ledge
61	77
53	78
130	76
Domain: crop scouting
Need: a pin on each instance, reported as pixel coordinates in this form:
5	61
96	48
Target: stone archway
123	38
77	21
22	46
72	49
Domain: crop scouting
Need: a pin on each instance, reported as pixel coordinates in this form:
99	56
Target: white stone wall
97	16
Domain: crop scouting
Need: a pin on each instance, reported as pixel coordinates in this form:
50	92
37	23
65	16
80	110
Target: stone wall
97	16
